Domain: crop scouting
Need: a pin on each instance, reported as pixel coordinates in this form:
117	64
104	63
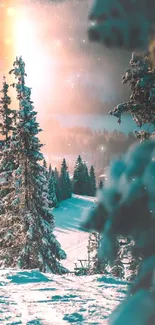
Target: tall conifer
31	242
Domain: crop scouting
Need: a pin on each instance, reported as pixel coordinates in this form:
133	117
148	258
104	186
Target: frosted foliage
126	207
141	105
129	180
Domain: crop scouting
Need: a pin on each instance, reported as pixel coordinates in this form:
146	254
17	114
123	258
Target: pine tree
8	161
86	180
50	171
64	182
6	114
133	260
117	267
141	105
57	186
80	178
92	191
94	264
45	169
52	190
30	242
45	163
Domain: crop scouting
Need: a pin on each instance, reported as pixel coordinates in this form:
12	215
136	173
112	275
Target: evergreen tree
45	169
117	267
50	171
30	242
80	178
57	186
6	114
45	163
86	180
52	189
64	182
8	161
92	189
94	264
141	105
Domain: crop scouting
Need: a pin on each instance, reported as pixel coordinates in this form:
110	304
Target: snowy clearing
67	219
33	298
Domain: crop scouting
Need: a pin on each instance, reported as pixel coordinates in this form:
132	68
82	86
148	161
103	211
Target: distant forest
95	147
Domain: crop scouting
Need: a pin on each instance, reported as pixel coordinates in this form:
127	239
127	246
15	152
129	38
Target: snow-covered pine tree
80	178
92	178
30	241
132	260
101	266
64	182
7	153
52	190
141	106
57	186
117	268
6	114
46	171
94	263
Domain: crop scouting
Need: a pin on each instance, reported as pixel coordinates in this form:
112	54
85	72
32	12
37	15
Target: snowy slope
67	218
32	298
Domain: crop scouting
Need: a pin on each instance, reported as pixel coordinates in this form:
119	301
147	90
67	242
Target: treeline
84	182
61	187
59	184
96	148
82	139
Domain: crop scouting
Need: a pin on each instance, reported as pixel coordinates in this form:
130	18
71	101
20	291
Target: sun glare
28	44
11	11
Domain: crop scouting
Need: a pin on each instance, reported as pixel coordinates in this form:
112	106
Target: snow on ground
33	298
67	219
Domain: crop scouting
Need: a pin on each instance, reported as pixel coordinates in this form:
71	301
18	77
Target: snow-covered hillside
33	298
67	219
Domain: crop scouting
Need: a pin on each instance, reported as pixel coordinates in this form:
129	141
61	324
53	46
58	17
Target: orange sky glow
33	32
25	31
63	68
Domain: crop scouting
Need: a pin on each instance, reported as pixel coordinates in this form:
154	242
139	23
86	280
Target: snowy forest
29	189
77	205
